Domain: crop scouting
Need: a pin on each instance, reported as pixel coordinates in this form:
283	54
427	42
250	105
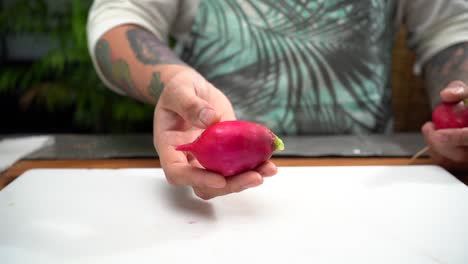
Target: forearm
135	61
448	65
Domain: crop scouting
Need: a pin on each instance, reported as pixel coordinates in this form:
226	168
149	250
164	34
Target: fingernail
207	116
267	172
215	183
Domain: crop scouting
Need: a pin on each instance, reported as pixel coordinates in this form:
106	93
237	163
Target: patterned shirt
296	66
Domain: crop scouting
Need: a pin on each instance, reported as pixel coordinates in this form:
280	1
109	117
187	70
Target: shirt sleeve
434	26
160	17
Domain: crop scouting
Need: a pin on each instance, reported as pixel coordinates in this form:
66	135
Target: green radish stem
278	143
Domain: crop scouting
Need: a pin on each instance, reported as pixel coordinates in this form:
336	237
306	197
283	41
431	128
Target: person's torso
299	67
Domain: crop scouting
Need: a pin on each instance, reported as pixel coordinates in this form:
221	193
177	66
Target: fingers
183	170
457	137
178	166
187	105
234	184
267	169
206	184
455	91
182	95
184	174
179	170
449	144
240	182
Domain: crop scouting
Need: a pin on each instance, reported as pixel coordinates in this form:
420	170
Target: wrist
168	72
159	77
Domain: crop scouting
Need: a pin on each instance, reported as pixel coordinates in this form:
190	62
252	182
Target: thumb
202	115
184	100
454	92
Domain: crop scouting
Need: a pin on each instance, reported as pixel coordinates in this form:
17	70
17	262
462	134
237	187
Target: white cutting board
374	214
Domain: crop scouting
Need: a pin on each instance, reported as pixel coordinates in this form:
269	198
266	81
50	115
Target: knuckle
170	175
190	106
426	129
171	180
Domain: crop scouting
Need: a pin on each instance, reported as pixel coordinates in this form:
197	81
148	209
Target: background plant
64	78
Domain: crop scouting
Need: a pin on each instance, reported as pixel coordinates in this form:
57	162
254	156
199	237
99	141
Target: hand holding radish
187	106
447	134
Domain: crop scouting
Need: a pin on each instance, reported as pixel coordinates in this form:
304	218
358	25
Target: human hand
449	147
187	105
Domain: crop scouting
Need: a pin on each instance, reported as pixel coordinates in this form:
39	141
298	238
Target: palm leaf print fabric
299	67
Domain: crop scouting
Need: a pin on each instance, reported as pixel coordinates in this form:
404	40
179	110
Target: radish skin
232	147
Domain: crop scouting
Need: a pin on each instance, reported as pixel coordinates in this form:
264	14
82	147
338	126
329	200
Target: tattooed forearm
140	74
117	72
149	50
447	66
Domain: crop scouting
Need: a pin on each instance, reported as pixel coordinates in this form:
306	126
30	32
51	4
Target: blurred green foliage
65	78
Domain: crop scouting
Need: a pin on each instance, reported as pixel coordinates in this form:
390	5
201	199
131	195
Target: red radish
233	147
451	115
447	115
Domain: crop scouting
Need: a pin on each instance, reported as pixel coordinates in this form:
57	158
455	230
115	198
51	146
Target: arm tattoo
155	88
117	72
103	56
149	50
449	65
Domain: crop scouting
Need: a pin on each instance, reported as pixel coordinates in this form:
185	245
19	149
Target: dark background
17	51
47	80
